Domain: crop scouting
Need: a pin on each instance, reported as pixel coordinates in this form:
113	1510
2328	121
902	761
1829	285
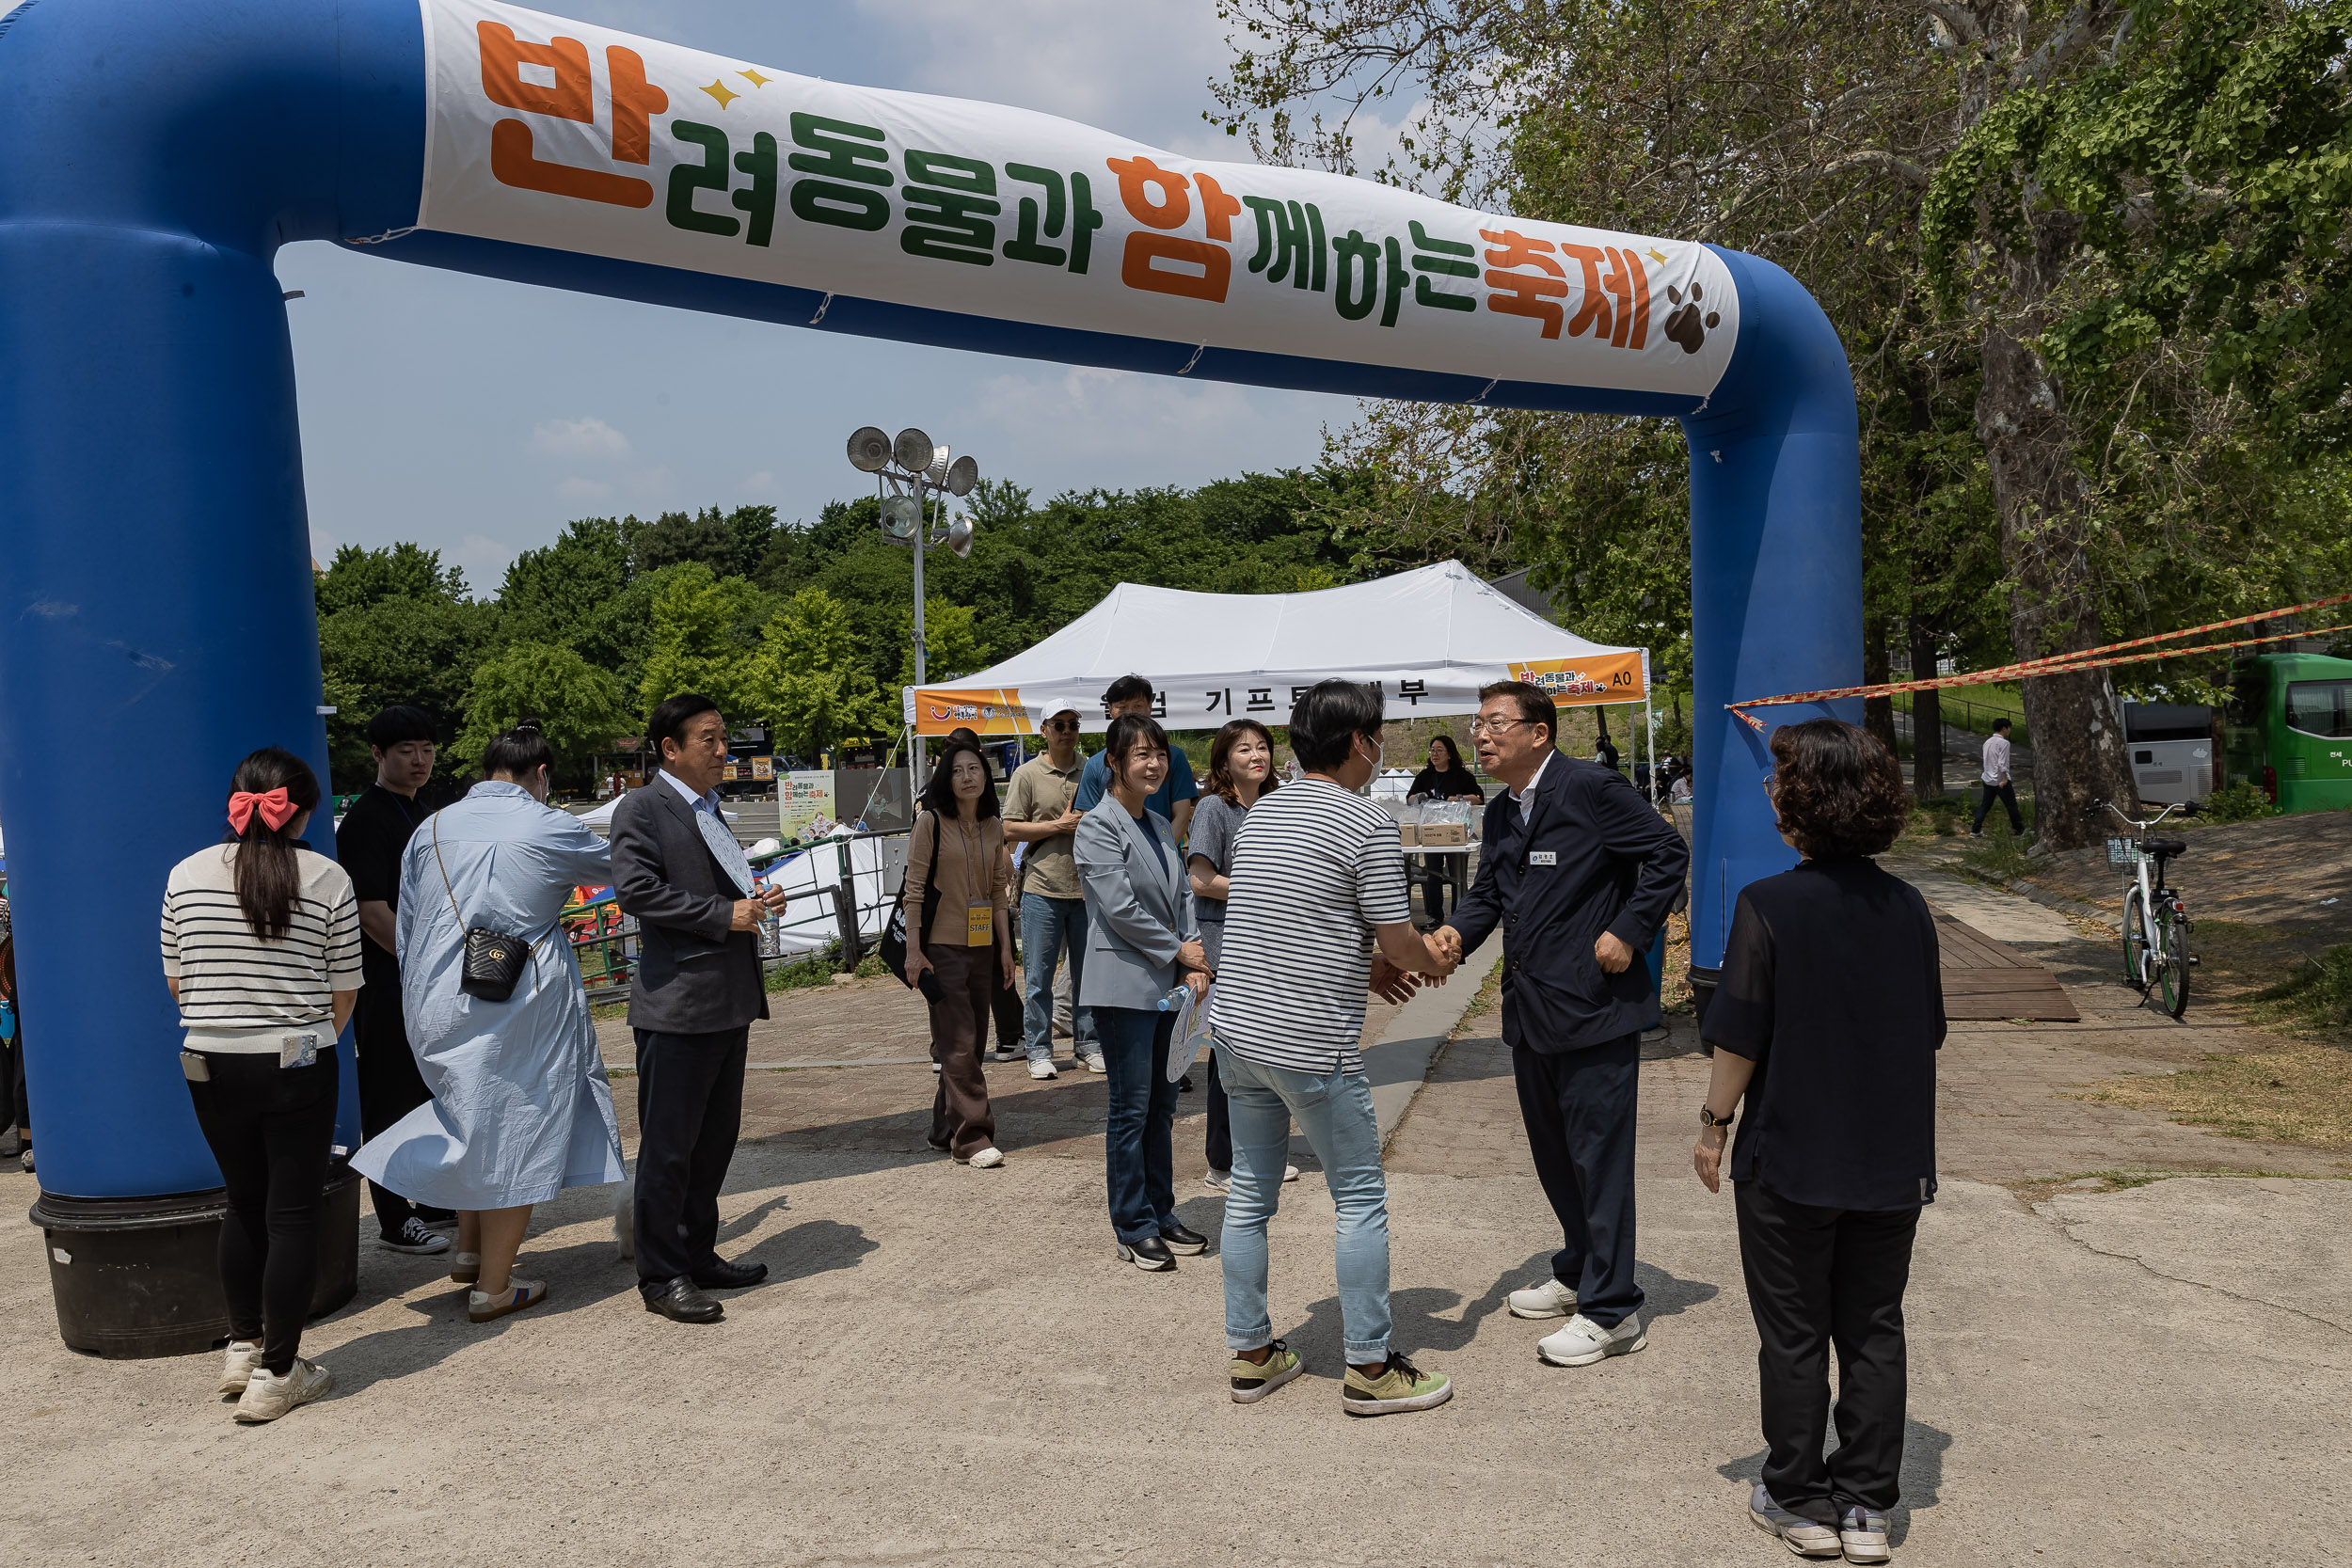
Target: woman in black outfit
1827	1020
1444	778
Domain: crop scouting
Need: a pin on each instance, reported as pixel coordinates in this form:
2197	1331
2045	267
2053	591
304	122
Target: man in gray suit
678	869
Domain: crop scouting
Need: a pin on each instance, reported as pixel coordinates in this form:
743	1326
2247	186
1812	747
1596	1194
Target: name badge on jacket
1542	857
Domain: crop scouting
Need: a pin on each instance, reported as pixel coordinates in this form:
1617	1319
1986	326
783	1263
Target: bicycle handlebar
2142	827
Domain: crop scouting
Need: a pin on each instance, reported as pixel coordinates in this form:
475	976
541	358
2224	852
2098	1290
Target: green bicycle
2156	959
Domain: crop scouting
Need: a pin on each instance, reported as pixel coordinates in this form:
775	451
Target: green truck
2288	728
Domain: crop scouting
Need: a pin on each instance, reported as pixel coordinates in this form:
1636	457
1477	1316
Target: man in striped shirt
1318	912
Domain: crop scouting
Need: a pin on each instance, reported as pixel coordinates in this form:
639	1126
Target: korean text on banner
1612	677
556	134
803	798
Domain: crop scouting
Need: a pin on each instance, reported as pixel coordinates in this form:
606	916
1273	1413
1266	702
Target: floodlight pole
915	757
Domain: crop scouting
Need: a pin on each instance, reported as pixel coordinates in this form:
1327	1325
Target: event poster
560	134
802	799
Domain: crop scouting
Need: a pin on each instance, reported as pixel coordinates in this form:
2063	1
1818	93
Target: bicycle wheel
2170	960
2138	936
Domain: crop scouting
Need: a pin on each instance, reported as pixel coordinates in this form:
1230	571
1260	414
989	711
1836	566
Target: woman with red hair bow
261	940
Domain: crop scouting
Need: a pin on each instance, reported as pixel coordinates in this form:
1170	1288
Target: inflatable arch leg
156	613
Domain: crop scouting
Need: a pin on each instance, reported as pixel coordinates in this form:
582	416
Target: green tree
357	577
953	646
395	650
554	594
579	706
697	640
813	679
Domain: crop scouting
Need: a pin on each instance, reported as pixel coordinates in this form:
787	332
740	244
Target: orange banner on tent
995	710
1613	678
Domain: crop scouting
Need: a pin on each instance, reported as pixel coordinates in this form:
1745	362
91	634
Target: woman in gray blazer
1141	942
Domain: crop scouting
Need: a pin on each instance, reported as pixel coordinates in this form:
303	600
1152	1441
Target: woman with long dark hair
957	868
1241	769
1142	939
260	945
521	1108
1827	1022
1444	780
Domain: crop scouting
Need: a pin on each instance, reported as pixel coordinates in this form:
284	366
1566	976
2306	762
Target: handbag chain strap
530	948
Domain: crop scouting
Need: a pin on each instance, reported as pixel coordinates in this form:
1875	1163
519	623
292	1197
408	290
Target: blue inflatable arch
154	548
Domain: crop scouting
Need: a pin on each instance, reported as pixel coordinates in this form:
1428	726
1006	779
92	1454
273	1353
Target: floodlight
935	471
913	451
901	516
962	474
870	449
959	535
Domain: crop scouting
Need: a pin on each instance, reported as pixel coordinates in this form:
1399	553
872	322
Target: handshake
1397	971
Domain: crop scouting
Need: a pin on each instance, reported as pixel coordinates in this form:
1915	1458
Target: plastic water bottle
1174	999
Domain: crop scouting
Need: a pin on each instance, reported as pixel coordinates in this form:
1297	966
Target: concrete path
948	1366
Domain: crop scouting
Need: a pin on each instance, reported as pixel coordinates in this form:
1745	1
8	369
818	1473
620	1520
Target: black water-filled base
138	1278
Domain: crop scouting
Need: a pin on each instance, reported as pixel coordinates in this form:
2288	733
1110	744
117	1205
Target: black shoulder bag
893	946
494	961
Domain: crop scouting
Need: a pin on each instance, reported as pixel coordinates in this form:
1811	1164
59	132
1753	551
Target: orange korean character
1138	178
635	101
1523	293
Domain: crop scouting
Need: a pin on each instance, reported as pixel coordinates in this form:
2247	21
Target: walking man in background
1994	775
368	843
1579	871
678	869
1039	811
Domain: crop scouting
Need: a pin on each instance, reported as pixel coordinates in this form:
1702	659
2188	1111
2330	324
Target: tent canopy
1429	638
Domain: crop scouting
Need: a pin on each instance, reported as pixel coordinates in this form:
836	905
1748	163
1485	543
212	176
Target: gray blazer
1137	914
694	976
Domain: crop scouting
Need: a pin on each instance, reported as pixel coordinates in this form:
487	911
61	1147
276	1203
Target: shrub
2243	802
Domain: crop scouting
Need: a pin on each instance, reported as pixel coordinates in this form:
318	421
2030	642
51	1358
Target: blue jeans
1335	1112
1138	1144
1045	924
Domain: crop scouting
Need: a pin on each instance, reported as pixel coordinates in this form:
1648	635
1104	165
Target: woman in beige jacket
958	873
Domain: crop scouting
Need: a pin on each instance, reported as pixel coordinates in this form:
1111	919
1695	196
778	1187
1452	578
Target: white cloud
578	489
586	437
760	484
484	560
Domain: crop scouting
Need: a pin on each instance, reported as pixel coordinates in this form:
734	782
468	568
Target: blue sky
477	416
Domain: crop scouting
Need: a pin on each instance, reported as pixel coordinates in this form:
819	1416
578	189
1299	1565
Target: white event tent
1429	638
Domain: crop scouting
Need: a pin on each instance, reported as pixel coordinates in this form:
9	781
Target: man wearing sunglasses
1578	872
1039	811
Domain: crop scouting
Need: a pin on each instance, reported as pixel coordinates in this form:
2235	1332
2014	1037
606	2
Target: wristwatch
1708	1118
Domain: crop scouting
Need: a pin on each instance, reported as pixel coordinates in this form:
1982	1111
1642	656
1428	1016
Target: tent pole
1649	719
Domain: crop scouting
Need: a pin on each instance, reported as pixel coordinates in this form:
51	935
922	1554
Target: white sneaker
465	1268
268	1396
1041	1070
484	1307
1290	1174
987	1159
237	1371
1861	1535
934	1069
1796	1532
1094	1062
1584	1341
1551	1299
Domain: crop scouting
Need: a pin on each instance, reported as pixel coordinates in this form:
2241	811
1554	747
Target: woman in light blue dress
520	1106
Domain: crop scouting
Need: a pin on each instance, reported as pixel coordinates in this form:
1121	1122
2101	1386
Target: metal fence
843	910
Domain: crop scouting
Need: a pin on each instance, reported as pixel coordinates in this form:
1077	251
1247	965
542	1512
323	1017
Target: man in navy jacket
1579	871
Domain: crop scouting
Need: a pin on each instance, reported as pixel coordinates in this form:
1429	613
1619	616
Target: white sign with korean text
555	133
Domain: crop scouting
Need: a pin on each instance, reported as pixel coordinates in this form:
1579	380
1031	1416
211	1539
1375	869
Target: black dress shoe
681	1303
724	1276
1183	1240
1184	1084
1149	1255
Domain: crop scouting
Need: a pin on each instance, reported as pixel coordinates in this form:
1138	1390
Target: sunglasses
1071	724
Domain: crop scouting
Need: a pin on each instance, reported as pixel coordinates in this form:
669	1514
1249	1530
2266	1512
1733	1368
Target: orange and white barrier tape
2061	664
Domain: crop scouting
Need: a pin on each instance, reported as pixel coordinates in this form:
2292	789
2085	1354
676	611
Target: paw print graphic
1682	322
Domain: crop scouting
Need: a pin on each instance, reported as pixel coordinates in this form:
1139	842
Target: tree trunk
2075	732
1878	713
1926	719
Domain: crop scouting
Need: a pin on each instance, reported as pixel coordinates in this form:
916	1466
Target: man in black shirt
369	842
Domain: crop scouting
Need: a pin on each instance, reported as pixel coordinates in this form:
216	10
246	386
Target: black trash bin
139	1277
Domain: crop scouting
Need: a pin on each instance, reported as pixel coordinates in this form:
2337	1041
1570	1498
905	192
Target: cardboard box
1409	834
1445	835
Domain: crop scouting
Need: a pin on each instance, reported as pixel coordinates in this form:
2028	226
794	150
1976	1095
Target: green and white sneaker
1401	1386
1253	1382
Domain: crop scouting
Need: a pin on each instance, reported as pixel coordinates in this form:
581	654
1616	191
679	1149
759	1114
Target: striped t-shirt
1316	868
232	982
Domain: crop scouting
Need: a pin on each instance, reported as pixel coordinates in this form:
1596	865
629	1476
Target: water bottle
1174	999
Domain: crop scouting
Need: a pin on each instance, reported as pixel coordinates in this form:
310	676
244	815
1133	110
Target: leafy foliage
811	681
579	706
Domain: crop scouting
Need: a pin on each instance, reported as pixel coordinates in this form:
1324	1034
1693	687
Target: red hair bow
276	809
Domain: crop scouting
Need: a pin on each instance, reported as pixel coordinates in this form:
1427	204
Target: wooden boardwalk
1984	979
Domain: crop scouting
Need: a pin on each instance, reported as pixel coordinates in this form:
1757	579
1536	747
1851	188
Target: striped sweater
232	980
